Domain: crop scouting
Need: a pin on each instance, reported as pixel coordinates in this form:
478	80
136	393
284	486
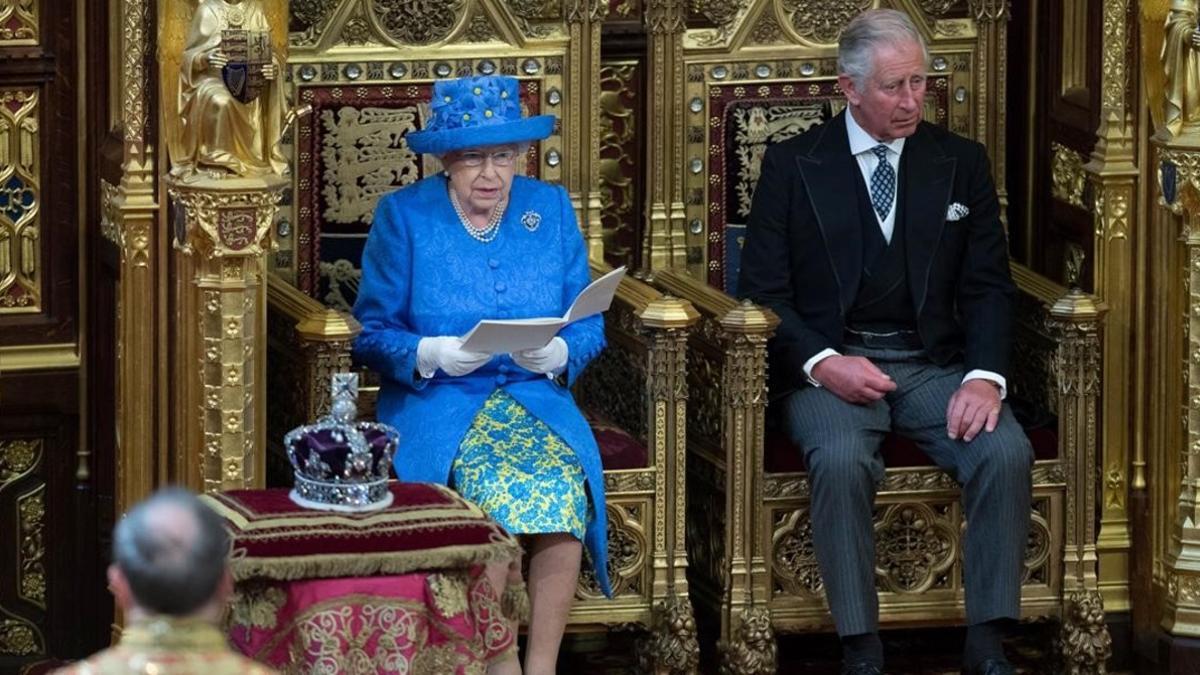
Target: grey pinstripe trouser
841	449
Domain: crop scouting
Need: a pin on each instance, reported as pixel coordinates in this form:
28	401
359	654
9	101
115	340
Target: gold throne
761	75
367	71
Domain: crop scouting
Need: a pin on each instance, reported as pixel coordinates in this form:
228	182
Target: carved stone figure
1181	65
231	104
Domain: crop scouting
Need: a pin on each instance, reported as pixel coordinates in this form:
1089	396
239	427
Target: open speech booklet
502	336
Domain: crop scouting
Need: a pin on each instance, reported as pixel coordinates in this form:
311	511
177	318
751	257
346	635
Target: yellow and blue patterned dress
520	472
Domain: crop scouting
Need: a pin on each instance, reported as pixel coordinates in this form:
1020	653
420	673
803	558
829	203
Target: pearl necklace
489	231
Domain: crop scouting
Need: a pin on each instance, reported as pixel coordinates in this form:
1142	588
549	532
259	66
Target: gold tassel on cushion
514	604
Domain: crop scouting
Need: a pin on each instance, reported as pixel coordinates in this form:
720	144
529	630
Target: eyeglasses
501	158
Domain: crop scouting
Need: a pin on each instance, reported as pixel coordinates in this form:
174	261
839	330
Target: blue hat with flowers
472	112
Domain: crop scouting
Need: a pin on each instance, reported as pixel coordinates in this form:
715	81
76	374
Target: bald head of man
170	557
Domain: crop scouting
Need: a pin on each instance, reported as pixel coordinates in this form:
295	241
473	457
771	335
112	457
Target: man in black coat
877	240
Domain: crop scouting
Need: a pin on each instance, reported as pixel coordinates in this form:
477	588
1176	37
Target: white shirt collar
861	141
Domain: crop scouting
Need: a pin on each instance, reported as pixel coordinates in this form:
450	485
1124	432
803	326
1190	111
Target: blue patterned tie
883	183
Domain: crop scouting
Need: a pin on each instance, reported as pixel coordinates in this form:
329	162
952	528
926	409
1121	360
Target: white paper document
502	336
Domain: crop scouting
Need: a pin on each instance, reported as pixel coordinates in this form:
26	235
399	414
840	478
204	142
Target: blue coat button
493	263
500	379
503	367
500	287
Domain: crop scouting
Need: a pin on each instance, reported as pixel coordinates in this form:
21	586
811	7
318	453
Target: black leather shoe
992	667
861	668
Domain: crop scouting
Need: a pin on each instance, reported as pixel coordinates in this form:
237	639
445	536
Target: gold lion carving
752	649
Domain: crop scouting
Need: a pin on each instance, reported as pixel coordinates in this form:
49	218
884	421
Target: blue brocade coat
425	276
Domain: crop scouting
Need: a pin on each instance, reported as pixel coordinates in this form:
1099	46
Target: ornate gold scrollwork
1067	175
914	546
627	552
416	23
767	30
822	21
629	481
1037	548
936	8
720	12
18	457
19	638
751	649
31	519
794	557
532	14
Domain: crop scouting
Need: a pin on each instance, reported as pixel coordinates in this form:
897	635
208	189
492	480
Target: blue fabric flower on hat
477	111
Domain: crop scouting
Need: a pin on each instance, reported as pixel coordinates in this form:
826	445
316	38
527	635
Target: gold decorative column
671	646
745	330
131	211
665	243
1179	190
992	80
1075	323
220	345
1113	175
585	19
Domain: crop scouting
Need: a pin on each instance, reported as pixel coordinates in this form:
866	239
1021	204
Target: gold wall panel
19	22
20	201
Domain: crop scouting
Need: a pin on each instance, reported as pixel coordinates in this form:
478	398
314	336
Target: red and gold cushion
427	527
618	448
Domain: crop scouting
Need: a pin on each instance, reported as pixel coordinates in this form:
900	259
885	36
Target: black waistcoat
884	302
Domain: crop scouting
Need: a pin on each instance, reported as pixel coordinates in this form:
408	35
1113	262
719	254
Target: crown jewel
342	464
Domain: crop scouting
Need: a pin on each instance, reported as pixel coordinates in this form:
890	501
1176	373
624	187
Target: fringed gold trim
514	603
366	564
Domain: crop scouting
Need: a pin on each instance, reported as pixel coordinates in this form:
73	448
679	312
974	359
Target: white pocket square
956	212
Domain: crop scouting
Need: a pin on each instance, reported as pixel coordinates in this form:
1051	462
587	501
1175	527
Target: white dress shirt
862	146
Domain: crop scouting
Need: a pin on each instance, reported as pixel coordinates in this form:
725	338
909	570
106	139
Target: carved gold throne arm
1073	320
307	343
728	355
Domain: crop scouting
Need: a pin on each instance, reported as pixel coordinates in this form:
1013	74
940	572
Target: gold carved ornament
821	21
1067	175
18	22
416	23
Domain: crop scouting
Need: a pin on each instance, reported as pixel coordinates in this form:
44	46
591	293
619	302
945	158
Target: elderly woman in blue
479	242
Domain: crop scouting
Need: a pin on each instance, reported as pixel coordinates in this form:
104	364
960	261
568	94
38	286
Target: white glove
447	353
548	360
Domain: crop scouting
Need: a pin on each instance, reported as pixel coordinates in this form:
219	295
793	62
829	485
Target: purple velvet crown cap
341	464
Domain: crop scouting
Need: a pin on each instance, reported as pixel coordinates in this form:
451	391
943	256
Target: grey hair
173	551
867	32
